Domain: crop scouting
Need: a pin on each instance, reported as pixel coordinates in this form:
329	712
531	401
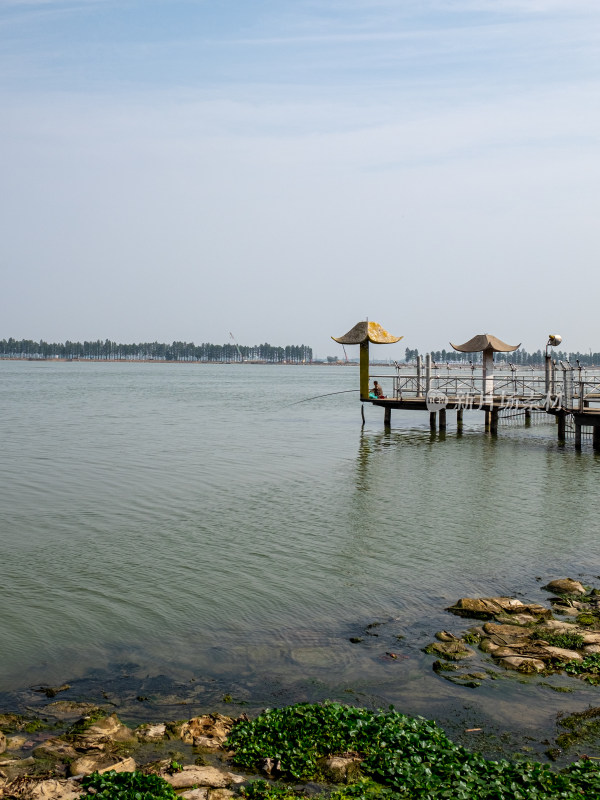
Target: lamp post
553	341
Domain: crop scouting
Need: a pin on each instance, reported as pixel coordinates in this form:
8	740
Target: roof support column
364	370
488	375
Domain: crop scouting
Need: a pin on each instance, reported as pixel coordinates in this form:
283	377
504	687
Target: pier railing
557	386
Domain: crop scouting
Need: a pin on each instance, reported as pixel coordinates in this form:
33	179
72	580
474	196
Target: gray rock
564	586
15	742
196	794
212	777
151	733
523	664
101	763
209	731
55	748
55	790
562	654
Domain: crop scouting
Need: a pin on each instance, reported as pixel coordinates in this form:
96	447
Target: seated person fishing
376	392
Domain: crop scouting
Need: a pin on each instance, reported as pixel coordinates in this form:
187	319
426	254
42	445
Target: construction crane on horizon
237	345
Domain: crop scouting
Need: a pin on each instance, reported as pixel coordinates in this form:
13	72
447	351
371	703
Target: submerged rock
454	650
68	709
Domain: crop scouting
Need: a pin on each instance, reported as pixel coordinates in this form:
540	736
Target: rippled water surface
191	521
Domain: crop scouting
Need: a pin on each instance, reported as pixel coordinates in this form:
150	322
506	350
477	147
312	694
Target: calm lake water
171	526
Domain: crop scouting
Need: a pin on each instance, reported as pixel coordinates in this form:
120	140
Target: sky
282	170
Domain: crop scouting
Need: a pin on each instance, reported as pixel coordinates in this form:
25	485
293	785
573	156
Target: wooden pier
570	395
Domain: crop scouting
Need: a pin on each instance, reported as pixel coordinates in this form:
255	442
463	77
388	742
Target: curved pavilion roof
485	341
367	332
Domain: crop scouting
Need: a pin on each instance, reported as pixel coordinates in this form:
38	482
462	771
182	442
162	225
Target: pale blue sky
182	169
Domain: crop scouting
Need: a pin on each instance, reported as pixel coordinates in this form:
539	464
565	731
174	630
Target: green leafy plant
411	757
569	641
261	790
364	789
588	668
126	786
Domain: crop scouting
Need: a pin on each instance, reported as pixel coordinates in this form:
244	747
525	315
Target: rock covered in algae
491	607
454	650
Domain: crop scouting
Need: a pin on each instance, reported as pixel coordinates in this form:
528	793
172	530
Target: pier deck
568	395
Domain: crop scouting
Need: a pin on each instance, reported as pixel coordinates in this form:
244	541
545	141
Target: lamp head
554	340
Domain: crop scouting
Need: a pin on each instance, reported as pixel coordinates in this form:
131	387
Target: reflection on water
183	518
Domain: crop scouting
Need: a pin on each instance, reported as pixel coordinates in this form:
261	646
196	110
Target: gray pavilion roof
485	341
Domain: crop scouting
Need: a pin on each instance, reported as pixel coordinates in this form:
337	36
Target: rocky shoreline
37	763
48	754
525	637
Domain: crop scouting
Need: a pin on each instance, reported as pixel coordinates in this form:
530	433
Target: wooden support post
527	417
577	435
561	419
362	412
387	416
432	424
442	419
364	370
494	421
459	421
488	419
596	438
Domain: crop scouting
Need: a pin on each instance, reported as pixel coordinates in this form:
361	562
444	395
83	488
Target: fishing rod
306	399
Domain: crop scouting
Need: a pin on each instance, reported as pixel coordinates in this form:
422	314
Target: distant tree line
154	351
517	357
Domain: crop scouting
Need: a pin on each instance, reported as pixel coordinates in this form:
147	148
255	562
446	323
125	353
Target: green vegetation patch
410	756
588	669
364	789
587	619
568	641
126	786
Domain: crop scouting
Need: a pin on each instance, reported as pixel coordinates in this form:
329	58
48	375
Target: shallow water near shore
183	533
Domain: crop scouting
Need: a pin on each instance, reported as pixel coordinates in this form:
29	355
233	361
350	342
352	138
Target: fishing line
306	399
